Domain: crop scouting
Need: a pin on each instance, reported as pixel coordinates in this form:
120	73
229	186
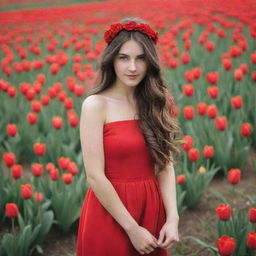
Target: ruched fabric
129	168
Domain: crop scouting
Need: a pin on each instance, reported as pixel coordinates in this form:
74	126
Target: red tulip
212	77
226	245
36	106
252	215
254	75
54	68
67	178
235	51
30	94
209	46
181	179
49	167
17	171
41	79
245	129
185	58
238	74
57	122
213	91
223	211
253	58
32	118
208	151
11	129
37	169
234	176
197	72
193	154
12	92
26	191
63	162
189	76
38	197
68	103
221	123
244	68
188	90
9	159
251	240
73	120
188	112
188	143
11	210
211	111
54	174
39	148
227	64
237	102
201	108
72	168
45	99
52	92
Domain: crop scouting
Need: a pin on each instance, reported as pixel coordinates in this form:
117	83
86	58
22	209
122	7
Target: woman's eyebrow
128	55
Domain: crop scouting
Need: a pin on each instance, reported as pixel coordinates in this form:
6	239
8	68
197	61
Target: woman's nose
132	65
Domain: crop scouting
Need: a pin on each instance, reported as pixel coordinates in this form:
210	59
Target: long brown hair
158	124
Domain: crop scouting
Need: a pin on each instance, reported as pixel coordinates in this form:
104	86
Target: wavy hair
158	124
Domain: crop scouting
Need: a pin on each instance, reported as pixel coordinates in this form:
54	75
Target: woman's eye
122	58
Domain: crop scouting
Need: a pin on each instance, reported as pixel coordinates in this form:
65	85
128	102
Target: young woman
129	136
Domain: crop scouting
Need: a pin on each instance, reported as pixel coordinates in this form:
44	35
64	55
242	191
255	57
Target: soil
199	222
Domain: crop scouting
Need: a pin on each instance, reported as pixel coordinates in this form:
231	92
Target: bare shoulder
93	109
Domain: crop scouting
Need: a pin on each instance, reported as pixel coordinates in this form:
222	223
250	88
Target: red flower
197	72
9	159
57	122
72	168
11	210
223	211
227	64
188	112
26	191
181	179
39	197
211	111
67	178
193	154
213	91
185	58
253	58
212	77
208	151
234	176
17	171
221	123
49	167
237	102
238	74
39	148
251	240
246	129
54	174
226	245
188	143
252	215
11	129
32	118
201	108
188	89
209	46
37	169
63	162
36	106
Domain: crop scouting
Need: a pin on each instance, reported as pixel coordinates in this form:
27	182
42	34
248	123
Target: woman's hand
168	234
143	241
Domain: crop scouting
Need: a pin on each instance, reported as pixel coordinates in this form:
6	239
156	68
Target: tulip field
48	61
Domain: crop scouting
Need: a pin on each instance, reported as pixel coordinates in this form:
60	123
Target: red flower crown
131	25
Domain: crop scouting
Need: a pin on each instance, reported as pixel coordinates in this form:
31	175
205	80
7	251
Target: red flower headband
131	25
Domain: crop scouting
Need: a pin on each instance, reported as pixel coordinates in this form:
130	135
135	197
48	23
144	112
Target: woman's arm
166	179
91	136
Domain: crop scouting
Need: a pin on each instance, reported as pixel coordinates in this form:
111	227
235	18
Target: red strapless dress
130	169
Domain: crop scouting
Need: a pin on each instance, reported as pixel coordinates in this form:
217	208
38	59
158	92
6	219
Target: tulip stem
13	226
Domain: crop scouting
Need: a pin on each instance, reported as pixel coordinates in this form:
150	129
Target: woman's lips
132	76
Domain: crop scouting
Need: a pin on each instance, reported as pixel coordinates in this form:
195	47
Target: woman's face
130	61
